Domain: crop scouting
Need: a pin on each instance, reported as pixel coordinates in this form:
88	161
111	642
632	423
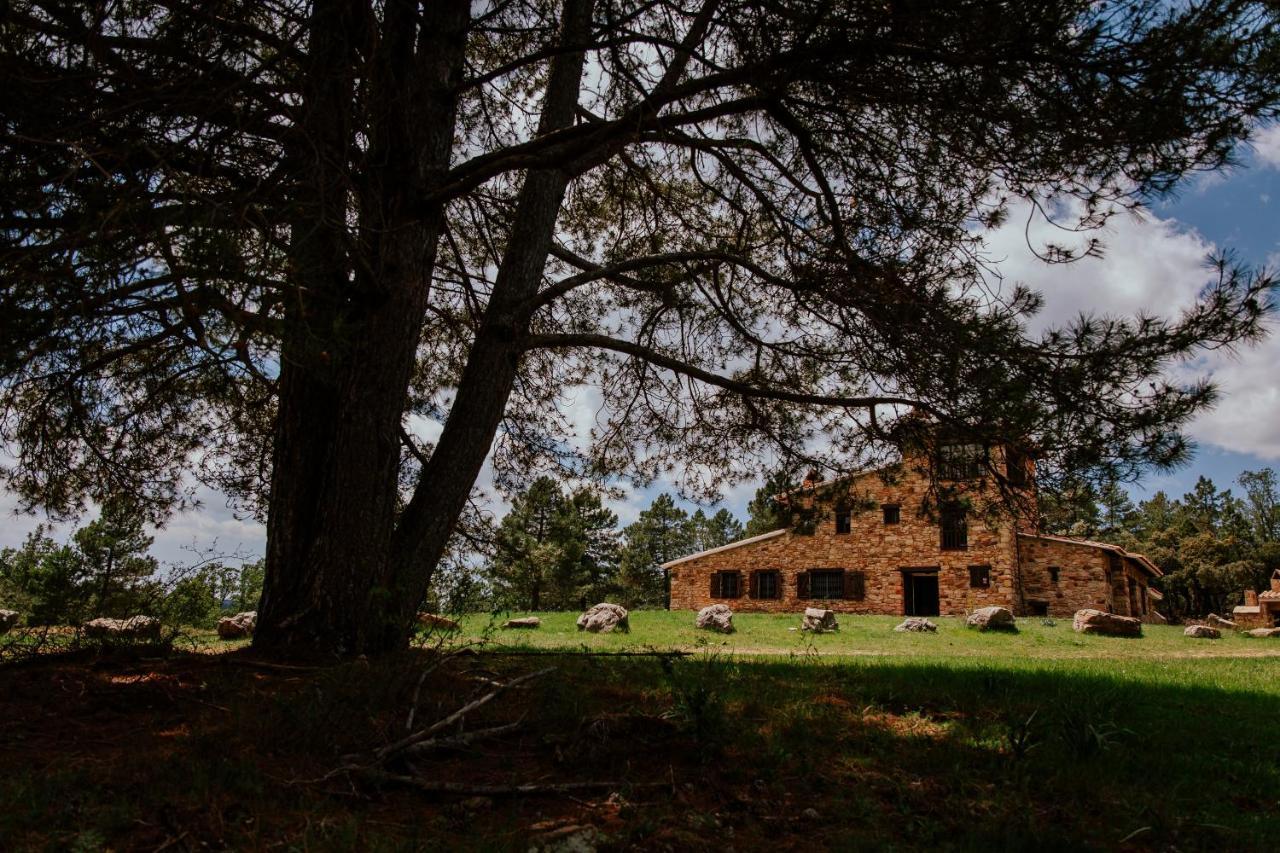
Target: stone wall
1088	576
881	551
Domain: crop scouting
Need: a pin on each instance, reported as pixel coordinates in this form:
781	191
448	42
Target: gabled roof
1140	559
750	541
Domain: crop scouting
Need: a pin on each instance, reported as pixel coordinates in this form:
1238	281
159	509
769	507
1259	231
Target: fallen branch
458	741
464	789
390	750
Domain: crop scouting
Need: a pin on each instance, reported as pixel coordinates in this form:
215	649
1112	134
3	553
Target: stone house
1260	610
870	543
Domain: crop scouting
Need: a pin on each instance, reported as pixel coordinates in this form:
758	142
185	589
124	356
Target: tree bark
353	332
489	376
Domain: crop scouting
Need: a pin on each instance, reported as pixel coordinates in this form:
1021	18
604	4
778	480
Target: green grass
1043	739
765	634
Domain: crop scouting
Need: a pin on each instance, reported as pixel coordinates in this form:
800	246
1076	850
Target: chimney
815	476
1250	598
1275	581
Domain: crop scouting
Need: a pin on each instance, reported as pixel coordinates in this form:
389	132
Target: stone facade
1061	576
891	558
1260	611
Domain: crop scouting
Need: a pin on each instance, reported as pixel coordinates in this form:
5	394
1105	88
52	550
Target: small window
826	583
725	585
892	513
842	521
955	530
1053	574
765	584
979	577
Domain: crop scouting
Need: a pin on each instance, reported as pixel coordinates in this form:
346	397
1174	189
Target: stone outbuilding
1260	610
869	544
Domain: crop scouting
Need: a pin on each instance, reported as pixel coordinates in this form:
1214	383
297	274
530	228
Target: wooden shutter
737	593
802	585
855	586
715	584
753	588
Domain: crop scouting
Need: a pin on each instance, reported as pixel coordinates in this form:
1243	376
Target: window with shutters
826	583
725	585
1053	574
892	513
843	522
979	577
855	586
955	530
766	584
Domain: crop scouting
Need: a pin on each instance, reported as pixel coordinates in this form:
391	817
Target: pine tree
663	532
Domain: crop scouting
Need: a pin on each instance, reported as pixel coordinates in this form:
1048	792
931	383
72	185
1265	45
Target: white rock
1089	621
819	621
716	617
992	619
524	622
916	624
240	625
8	618
605	617
1202	632
133	628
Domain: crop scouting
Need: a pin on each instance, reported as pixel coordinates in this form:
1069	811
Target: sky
1152	263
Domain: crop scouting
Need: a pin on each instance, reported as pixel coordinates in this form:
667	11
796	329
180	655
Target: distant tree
247	587
114	551
712	531
553	551
663	532
1117	510
1262	499
254	242
765	512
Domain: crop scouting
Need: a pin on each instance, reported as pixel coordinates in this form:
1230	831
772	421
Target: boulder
1090	621
524	622
916	624
133	628
604	618
992	619
1202	632
8	618
1264	632
1213	620
239	626
716	617
819	621
431	621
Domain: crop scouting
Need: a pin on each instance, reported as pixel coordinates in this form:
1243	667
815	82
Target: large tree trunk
353	331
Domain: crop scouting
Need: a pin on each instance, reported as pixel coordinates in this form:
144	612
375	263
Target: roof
1247	609
1269	595
1140	559
750	541
1155	593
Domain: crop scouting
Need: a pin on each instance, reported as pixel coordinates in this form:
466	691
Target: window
1038	608
955	531
1017	467
855	586
1053	574
842	521
892	513
726	585
979	577
826	583
766	584
957	461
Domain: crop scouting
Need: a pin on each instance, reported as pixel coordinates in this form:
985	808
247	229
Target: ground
768	739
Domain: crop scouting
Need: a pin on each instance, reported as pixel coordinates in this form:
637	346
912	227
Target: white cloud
1156	266
1266	146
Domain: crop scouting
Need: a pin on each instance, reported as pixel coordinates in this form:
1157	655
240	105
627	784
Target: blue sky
1152	263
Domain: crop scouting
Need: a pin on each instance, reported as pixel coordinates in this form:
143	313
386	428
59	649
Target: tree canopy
260	244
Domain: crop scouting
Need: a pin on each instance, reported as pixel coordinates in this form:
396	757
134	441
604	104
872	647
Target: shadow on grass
883	754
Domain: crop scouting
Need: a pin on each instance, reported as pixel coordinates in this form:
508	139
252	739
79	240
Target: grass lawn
768	739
